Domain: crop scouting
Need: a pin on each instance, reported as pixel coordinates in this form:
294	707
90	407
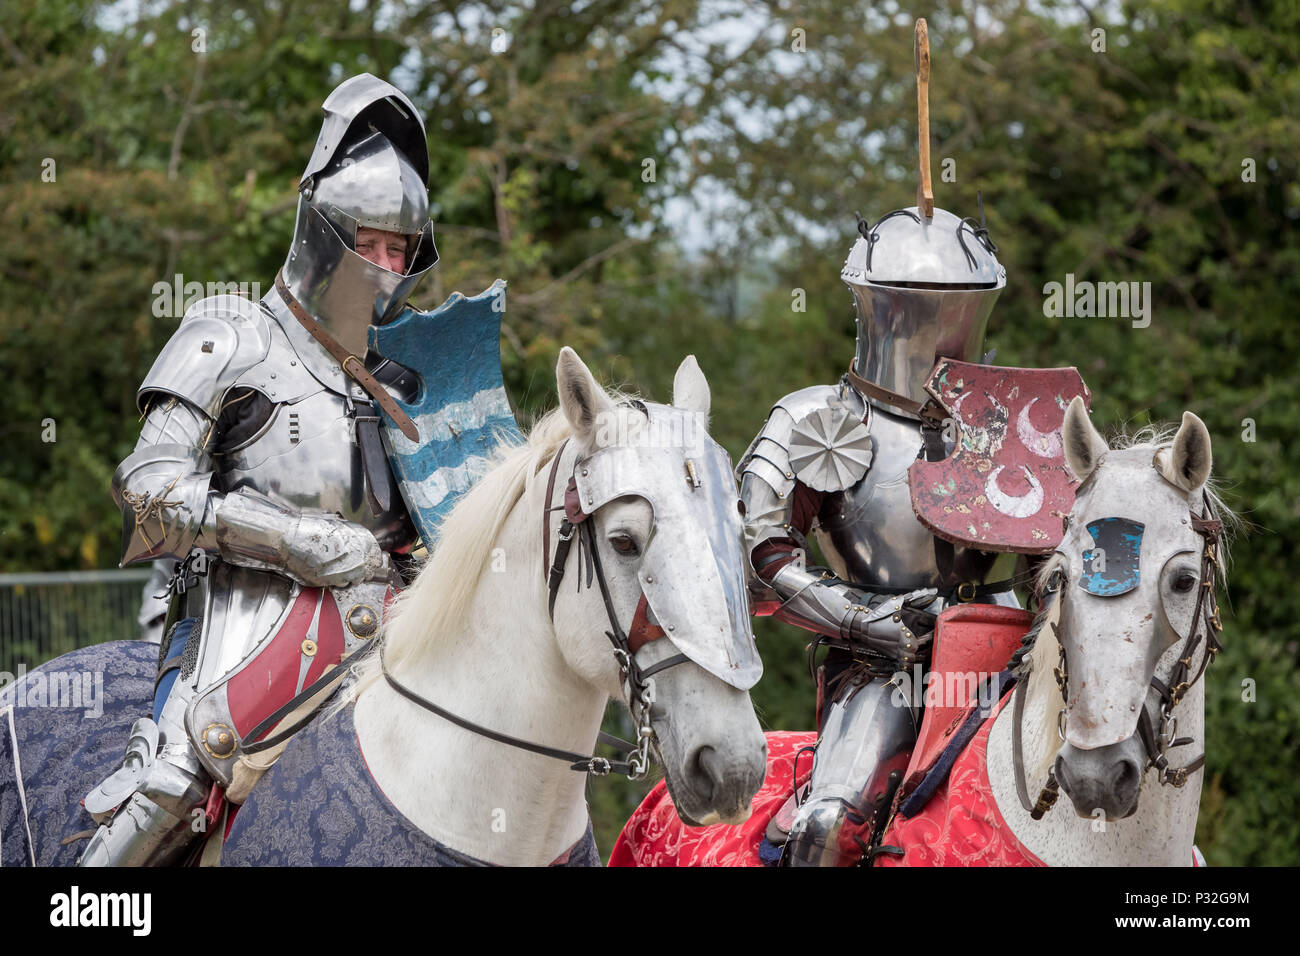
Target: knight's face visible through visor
692	570
387	250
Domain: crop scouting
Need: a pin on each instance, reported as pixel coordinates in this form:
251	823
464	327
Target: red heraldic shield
1006	486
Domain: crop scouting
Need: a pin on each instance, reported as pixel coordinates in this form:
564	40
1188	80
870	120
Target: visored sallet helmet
369	169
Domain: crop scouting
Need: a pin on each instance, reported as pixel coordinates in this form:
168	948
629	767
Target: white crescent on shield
1014	506
1042	444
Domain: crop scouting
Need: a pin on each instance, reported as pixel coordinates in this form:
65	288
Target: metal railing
43	615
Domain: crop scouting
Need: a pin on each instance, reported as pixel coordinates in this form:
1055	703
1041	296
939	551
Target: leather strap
945	554
350	364
379	480
331	676
574	525
547	509
930	410
598	766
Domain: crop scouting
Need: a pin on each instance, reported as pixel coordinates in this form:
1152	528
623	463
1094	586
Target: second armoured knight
833	459
259	467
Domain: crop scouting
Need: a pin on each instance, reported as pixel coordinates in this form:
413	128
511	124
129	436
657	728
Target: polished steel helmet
369	169
923	289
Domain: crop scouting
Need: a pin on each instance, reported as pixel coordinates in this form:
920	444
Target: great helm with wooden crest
923	280
369	168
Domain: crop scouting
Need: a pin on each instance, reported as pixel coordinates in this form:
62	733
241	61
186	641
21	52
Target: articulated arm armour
838	610
166	490
162	486
780	509
317	550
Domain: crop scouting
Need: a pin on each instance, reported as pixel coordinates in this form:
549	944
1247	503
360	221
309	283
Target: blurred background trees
657	178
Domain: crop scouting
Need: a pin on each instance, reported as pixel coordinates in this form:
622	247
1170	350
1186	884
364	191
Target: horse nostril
704	775
1124	780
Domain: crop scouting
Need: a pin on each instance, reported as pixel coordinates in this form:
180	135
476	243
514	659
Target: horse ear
691	388
1187	462
584	402
1083	445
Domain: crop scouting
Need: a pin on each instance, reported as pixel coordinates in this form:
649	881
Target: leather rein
1157	741
636	680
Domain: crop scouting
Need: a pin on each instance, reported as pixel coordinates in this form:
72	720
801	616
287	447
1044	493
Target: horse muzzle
1106	778
711	784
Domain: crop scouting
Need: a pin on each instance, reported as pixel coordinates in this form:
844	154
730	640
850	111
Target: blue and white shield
461	411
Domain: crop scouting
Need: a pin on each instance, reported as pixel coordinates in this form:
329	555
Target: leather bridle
636	680
640	694
1156	740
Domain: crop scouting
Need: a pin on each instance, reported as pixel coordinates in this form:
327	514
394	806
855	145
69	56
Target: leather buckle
966	592
352	358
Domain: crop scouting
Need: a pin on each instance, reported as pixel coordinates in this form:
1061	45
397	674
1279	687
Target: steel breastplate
870	535
306	458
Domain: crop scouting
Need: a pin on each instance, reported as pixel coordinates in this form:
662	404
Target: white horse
1115	642
473	635
486	665
1123	636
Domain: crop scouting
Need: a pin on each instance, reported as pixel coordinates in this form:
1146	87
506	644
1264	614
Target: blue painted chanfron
1110	567
462	412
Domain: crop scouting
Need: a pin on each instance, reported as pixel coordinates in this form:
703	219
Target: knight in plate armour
833	460
260	469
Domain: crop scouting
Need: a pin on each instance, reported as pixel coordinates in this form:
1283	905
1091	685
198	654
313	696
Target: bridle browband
1157	741
636	680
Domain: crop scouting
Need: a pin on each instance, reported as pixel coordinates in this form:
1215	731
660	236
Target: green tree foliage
562	134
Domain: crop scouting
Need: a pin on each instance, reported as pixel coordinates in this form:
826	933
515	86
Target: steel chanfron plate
1111	567
830	449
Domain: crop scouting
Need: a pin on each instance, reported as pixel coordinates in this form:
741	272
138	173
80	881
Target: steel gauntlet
314	549
897	626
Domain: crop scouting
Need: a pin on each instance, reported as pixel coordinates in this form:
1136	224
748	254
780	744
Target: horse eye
1184	582
623	544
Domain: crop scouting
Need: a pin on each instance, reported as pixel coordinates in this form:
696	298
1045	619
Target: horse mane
1156	437
438	601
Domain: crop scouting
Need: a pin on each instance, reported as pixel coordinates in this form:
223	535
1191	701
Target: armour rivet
219	740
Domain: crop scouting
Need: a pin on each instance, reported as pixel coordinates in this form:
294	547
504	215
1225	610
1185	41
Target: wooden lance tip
924	190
